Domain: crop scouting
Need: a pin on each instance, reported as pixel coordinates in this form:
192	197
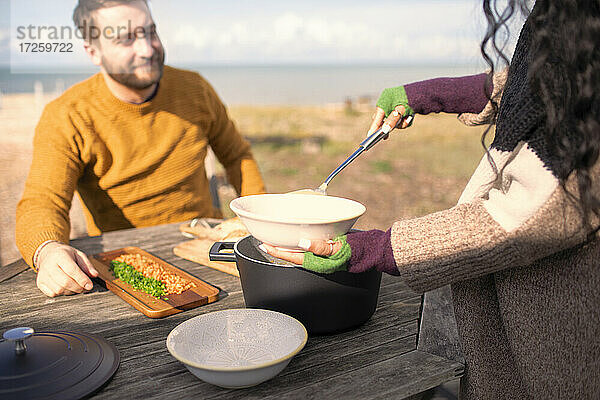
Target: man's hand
63	270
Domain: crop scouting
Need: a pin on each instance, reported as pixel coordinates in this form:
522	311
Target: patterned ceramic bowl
237	348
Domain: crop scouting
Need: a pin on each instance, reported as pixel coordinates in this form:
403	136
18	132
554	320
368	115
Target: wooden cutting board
197	251
151	306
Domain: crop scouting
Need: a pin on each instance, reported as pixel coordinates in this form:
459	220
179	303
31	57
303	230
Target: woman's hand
63	270
317	247
393	104
355	252
394	120
324	257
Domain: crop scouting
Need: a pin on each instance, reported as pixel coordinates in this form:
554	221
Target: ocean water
277	85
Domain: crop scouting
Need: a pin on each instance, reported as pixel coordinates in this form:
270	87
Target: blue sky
279	32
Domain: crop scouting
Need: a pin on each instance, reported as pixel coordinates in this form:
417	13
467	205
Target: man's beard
130	79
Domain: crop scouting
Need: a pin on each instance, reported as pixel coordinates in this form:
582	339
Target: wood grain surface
378	360
12	269
207	231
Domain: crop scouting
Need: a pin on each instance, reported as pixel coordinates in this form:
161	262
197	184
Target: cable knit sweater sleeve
525	217
43	212
463	95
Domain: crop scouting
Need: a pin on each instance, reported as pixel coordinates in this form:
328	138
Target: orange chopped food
174	283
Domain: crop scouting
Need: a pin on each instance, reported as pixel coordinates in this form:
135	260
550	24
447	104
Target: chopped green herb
137	280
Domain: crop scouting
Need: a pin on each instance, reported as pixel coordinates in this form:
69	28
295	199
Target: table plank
304	368
376	360
13	269
397	377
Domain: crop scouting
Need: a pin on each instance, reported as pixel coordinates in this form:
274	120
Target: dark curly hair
565	75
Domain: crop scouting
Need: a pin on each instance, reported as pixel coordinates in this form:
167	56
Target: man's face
129	48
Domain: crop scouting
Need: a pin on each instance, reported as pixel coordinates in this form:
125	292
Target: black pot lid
54	365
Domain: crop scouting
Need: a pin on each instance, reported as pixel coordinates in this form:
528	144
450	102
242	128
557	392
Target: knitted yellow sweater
133	165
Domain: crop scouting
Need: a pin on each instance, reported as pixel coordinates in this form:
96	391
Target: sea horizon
268	84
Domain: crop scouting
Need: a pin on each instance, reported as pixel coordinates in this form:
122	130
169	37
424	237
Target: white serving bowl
237	348
283	219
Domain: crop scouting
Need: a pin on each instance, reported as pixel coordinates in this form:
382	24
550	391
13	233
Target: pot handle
215	254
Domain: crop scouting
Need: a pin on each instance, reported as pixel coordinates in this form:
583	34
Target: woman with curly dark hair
521	249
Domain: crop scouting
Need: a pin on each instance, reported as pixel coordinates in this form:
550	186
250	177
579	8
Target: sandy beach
421	170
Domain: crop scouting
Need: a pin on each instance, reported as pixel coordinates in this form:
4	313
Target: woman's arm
526	217
449	95
497	225
464	96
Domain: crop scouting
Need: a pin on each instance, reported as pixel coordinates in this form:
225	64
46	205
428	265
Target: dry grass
417	171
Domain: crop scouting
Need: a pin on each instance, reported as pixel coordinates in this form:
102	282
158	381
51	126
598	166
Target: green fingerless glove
330	264
391	98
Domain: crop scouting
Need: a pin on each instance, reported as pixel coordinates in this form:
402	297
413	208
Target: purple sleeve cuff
371	249
451	95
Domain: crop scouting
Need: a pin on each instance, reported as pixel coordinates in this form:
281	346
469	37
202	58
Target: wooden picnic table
380	359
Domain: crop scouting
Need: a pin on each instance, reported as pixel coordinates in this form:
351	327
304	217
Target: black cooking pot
324	303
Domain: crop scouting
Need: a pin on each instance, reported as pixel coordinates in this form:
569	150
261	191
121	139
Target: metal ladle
370	141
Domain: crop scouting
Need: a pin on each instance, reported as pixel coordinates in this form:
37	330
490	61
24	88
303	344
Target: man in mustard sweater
131	140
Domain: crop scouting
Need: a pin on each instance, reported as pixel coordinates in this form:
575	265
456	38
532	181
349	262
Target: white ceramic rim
258	217
248	367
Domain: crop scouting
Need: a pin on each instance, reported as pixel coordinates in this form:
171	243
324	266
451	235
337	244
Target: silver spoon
370	141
